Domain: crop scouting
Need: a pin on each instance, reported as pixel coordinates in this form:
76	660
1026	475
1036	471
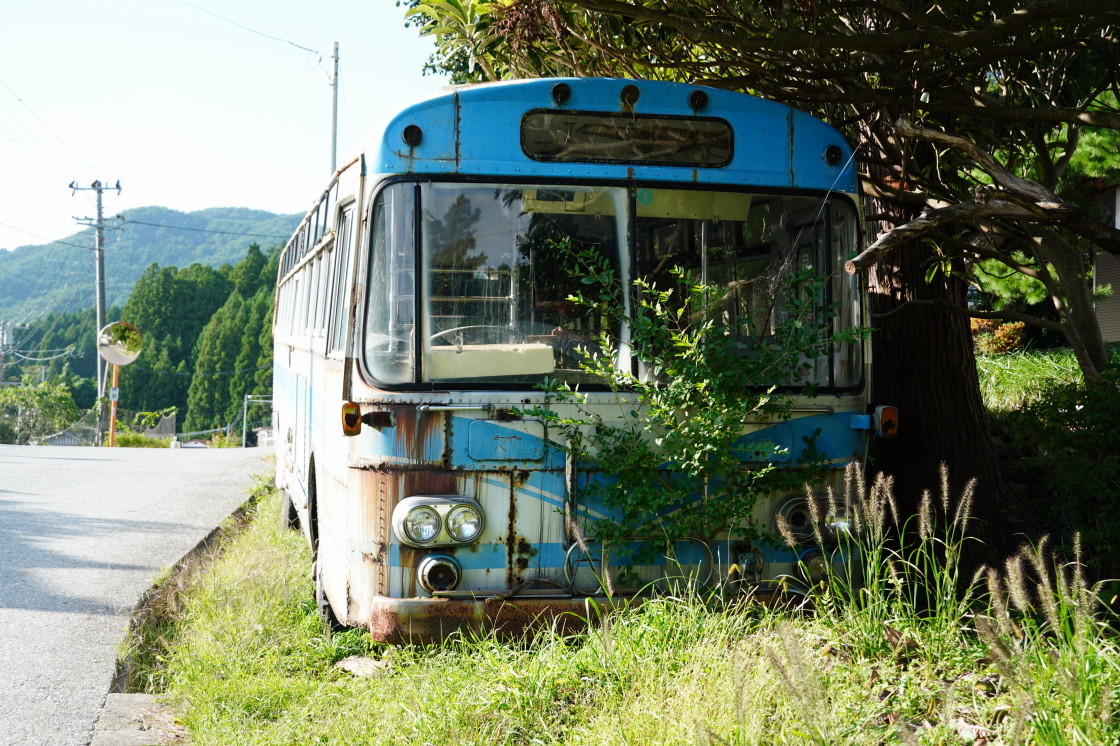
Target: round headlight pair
422	524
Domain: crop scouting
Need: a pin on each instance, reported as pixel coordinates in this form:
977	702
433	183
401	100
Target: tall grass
1012	379
1020	657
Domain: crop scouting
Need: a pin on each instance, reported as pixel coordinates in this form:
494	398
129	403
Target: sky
189	104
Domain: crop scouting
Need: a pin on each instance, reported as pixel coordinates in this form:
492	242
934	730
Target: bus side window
340	297
390	339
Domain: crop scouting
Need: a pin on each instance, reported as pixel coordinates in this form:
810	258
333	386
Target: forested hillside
59	277
197	285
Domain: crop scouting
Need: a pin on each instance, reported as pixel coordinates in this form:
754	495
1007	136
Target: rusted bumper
426	620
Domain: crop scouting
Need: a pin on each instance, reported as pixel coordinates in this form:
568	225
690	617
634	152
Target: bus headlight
438	572
438	520
804	521
815	567
464	523
422	524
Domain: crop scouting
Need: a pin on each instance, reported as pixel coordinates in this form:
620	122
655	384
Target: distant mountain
59	276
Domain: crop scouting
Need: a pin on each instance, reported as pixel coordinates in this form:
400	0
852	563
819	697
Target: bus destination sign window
604	137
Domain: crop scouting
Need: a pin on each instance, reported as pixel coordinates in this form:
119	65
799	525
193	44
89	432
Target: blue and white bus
420	310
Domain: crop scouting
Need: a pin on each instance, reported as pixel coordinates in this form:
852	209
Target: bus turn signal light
353	419
886	421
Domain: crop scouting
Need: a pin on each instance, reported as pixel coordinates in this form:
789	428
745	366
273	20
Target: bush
126	438
993	338
1070	435
225	440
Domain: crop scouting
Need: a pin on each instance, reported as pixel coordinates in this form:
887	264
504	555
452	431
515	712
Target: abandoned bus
421	307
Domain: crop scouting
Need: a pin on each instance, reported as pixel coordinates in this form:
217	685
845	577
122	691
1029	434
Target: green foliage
248	662
34	410
53	333
1006	288
1071	440
169	306
233	347
464	35
126	438
208	399
225	440
675	457
1097	148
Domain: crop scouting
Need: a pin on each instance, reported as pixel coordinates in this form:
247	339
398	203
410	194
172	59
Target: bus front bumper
401	621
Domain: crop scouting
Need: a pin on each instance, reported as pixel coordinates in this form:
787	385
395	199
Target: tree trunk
1075	309
923	363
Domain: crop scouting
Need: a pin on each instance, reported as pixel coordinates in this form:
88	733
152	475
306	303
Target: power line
46	126
218	373
251	30
202	230
66	353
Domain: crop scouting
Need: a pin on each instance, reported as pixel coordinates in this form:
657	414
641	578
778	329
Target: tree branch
998	315
928	221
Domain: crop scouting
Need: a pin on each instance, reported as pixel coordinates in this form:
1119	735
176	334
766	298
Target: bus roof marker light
630	96
412	135
697	100
833	154
561	92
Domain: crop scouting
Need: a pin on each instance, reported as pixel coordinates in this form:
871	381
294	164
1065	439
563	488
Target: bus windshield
489	303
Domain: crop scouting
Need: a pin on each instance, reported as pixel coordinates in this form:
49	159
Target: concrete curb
136	720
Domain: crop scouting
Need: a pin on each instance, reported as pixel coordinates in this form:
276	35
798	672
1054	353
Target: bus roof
476	131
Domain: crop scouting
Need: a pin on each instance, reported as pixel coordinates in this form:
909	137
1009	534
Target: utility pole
334	112
5	344
99	261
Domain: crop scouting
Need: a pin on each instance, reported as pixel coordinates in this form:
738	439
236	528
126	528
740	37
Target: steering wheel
511	335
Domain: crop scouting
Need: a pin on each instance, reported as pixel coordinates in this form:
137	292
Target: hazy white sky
186	109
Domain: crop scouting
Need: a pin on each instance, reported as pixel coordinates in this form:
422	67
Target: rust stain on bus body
414	430
423	466
426	620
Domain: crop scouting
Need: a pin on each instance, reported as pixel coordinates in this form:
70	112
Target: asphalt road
83	532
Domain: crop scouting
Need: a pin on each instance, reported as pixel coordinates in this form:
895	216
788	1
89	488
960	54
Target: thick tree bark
924	363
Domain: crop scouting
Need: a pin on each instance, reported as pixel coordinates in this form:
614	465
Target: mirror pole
113	394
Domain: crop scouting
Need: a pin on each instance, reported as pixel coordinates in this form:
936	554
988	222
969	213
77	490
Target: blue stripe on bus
545	555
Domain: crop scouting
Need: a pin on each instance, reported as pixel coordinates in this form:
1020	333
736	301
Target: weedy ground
1025	657
914	652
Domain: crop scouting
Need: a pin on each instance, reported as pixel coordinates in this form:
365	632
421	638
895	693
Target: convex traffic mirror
118	343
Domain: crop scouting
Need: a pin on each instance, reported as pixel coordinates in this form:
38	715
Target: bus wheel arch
289	515
322	603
